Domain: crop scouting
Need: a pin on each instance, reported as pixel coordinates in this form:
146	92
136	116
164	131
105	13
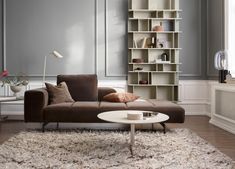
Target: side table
7	99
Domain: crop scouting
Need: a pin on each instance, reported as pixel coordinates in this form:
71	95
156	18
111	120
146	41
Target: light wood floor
221	139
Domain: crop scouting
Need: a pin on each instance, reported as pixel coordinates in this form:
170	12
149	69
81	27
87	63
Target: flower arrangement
18	80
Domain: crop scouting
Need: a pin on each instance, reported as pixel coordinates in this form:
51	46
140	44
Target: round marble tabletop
120	116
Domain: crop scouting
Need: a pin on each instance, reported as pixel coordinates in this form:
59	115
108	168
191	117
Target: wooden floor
221	139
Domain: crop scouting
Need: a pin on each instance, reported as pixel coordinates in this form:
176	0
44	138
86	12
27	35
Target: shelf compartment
133	78
130	41
166	39
170	68
145	67
139	54
174	56
143	76
168	25
143	25
143	40
165	93
176	40
163	78
142	14
156	55
147	92
133	25
139	4
160	4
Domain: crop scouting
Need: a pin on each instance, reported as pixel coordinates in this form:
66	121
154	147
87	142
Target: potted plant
15	82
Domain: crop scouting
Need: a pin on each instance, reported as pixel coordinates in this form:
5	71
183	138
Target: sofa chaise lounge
88	103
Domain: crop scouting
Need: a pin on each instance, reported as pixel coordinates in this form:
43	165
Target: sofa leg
43	126
57	125
164	127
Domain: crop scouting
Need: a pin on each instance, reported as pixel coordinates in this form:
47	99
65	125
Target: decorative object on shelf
138	69
221	64
161	43
143	82
164	56
158	28
15	82
56	55
137	60
152	44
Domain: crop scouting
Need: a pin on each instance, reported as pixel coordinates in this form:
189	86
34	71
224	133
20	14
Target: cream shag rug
177	149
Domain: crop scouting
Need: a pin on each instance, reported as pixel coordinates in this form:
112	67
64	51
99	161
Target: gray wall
91	35
193	51
215	34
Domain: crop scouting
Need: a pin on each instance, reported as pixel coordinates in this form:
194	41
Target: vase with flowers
15	82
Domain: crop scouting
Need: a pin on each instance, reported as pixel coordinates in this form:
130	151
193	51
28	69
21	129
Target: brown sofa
88	103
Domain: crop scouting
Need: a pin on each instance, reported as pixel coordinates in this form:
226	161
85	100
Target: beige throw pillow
120	97
59	93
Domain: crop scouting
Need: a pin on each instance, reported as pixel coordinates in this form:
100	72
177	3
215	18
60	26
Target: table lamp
54	54
221	64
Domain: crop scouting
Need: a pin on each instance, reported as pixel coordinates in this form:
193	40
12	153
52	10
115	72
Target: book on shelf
144	42
135	44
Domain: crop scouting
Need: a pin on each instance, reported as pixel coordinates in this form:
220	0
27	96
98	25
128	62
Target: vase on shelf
15	90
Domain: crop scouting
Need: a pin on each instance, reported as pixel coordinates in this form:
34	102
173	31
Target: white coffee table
120	116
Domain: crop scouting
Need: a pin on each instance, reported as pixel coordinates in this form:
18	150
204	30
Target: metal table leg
132	135
2	118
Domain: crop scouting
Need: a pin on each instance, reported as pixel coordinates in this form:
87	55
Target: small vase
15	89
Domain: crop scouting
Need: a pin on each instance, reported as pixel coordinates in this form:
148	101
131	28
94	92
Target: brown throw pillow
59	93
120	97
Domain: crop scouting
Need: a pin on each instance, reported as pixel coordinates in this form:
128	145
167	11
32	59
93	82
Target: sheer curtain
231	35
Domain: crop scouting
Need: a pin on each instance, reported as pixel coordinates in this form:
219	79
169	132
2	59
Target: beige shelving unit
153	48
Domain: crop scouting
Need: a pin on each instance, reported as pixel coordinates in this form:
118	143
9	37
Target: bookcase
153	48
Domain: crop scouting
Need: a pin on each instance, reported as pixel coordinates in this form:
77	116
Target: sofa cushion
59	93
109	106
174	111
102	91
140	104
81	87
120	97
57	112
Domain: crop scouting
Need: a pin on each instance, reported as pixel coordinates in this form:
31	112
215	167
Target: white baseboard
230	127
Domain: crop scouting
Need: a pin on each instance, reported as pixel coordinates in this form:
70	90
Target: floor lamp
54	54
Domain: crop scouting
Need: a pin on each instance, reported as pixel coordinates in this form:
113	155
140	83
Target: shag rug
74	149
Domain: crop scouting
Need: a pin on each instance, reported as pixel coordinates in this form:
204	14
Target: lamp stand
222	76
44	70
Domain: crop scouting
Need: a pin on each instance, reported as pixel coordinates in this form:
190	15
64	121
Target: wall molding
199	74
4	59
107	73
208	73
4	34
